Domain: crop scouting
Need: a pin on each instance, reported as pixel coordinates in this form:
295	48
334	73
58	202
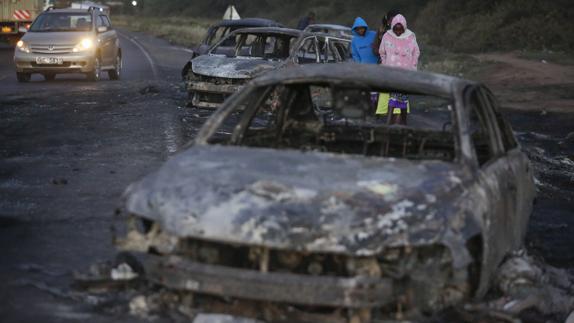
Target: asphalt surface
69	148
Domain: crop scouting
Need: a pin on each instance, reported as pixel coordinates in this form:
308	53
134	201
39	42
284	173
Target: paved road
68	148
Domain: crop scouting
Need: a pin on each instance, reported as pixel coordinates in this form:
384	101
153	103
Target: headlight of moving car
22	47
85	44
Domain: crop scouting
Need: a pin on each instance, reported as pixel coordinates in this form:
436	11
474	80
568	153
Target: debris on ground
150	89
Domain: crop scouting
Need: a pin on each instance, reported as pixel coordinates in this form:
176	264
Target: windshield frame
243	36
216	122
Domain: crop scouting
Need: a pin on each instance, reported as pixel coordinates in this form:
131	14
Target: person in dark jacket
361	44
306	21
385	26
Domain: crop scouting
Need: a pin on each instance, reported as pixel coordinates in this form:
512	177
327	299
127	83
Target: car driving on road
294	199
69	41
213	77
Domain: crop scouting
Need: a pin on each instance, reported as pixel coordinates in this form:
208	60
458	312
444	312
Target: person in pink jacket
399	49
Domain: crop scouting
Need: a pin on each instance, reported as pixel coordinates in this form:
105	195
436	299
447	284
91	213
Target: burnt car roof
330	26
274	30
249	22
370	75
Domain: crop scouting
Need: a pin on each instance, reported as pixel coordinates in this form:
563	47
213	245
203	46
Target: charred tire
49	77
115	74
23	77
95	74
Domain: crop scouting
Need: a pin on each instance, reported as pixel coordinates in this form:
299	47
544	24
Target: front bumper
210	95
72	63
355	292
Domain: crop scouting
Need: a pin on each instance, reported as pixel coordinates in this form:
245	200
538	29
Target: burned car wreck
335	217
213	77
220	30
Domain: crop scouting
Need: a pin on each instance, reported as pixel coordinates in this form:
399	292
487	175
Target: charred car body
213	77
320	217
221	30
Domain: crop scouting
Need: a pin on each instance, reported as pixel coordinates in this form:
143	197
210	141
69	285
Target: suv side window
307	52
482	134
106	21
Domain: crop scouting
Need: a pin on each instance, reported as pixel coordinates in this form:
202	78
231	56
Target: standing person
361	43
399	48
385	26
306	21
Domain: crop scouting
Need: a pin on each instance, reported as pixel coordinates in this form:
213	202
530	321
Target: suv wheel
117	71
94	75
49	77
23	77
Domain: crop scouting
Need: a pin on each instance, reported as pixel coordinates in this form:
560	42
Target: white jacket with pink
400	51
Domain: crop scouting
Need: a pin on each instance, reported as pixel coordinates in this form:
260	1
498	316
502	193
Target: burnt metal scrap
335	220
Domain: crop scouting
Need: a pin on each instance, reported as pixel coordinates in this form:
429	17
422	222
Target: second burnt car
280	213
213	77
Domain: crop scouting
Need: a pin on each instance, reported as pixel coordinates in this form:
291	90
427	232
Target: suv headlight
22	47
84	45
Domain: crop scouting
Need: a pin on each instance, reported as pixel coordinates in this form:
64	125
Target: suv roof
249	22
70	10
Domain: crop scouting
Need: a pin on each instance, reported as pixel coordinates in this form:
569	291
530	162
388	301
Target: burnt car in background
223	28
213	77
334	218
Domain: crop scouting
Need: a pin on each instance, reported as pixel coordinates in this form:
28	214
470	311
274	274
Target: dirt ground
527	84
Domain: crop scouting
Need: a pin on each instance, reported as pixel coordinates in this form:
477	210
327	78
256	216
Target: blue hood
359	22
361	46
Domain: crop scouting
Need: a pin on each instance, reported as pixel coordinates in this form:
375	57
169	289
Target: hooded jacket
361	45
400	51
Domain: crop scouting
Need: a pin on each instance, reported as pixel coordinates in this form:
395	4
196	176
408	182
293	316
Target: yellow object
383	105
6	29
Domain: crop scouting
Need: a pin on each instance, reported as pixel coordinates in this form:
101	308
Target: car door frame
492	181
521	188
107	40
300	43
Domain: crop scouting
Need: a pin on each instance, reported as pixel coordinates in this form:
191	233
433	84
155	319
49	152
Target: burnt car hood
309	201
234	68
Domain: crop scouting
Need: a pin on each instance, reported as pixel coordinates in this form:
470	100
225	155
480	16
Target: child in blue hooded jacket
362	41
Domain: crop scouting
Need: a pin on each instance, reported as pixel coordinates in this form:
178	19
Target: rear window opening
342	119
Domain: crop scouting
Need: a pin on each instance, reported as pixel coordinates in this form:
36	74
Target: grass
183	31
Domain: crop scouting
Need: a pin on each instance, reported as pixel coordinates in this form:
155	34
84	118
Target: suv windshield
62	22
256	45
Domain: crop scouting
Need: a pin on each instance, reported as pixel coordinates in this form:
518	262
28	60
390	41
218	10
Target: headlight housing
85	44
22	46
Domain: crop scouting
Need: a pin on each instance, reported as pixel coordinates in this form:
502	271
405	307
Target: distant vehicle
335	30
223	28
17	16
69	41
308	218
218	74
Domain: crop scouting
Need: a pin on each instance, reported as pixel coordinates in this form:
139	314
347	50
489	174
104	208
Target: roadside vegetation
460	26
184	31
